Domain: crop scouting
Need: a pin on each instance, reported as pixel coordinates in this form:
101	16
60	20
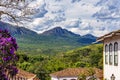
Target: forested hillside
52	41
42	65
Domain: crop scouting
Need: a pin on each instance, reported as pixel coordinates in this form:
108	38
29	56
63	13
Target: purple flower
8	46
0	35
3	41
9	40
9	57
4	59
12	49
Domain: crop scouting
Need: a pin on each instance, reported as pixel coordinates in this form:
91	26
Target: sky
96	17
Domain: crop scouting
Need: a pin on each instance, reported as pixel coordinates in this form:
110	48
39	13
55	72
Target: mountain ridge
52	41
58	31
52	31
15	29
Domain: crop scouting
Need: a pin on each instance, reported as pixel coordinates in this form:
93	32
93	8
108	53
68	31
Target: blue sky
96	17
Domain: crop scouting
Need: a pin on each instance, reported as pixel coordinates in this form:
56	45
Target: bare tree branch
2	12
17	10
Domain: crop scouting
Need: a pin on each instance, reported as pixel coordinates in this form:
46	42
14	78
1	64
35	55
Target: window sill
110	64
115	64
106	63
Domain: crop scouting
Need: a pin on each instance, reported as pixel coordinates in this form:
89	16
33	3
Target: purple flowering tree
8	58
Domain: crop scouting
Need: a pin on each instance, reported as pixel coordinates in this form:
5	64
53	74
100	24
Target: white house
111	55
74	73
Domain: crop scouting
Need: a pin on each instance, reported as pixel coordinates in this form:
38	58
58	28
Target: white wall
54	78
111	69
62	78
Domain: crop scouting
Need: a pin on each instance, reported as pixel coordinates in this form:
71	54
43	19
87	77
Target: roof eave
101	39
63	76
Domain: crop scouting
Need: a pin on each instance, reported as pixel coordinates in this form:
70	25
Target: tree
8	58
17	10
82	77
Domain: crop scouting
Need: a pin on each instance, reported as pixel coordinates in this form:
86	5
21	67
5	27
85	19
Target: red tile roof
74	72
25	74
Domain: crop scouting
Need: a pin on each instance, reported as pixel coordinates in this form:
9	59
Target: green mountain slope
49	42
87	56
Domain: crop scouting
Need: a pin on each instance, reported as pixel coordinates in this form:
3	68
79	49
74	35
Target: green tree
82	77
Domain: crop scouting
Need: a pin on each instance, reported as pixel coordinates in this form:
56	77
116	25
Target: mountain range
52	41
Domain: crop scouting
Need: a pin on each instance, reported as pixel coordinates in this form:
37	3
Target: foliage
8	46
32	43
46	45
88	75
43	65
91	71
82	77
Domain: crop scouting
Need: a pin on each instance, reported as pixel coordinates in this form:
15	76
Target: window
116	53
110	54
106	54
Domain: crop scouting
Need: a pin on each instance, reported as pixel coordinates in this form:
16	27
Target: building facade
64	78
111	55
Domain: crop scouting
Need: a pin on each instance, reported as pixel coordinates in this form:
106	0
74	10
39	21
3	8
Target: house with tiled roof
111	55
74	73
24	75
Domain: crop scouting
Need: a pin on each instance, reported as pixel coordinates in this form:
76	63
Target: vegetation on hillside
49	42
42	65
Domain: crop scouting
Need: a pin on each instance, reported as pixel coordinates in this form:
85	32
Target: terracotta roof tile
72	72
99	73
25	74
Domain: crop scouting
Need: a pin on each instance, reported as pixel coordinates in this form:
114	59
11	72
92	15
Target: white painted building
73	74
64	78
111	55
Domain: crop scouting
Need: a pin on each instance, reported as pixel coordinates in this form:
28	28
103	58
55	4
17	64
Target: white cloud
76	17
36	3
81	11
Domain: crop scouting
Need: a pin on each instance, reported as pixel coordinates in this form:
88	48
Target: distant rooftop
75	72
24	75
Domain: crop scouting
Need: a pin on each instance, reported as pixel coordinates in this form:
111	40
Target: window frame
106	54
110	54
115	53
